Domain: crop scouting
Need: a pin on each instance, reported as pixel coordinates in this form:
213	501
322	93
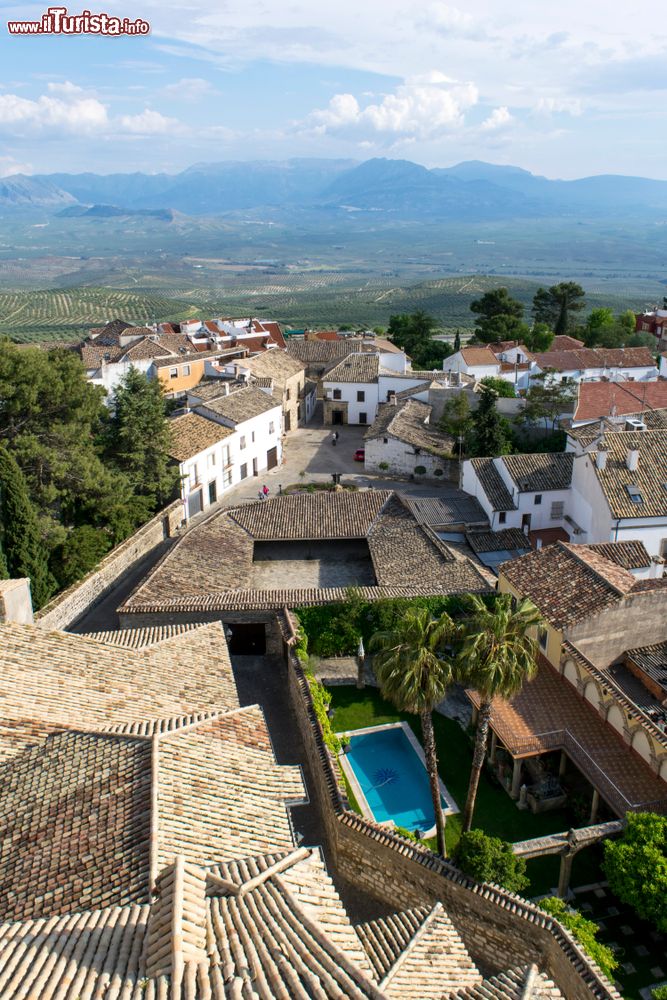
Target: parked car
360	455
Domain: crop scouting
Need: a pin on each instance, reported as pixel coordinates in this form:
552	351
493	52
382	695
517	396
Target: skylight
634	494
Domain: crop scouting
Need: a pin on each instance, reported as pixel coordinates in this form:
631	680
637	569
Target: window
244	471
226	478
226	456
186	369
502	517
242	442
272	428
363	418
542	637
211	459
194	474
287	395
385	440
538	499
252	436
557	510
173	373
361	396
337	394
663	548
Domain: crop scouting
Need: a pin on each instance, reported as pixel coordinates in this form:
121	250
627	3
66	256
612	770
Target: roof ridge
240	889
568	546
412	943
212	717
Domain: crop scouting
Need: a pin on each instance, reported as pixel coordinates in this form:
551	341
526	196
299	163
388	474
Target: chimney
538	543
632	459
392	398
601	459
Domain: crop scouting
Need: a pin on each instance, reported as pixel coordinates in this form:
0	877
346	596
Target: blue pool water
393	778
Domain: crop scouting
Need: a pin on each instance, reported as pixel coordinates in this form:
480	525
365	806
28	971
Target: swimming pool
386	769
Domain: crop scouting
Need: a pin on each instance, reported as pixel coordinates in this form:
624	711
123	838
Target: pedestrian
334	438
265	490
260	494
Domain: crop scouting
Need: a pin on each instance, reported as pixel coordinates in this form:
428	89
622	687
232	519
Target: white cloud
9	166
73	113
499	118
559	105
413	111
191	88
147	123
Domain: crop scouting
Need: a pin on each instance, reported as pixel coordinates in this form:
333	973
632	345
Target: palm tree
414	673
496	657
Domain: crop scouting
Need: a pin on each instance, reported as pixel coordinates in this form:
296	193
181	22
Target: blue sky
563	89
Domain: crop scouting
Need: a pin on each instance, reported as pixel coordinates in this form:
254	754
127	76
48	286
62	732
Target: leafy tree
138	438
599	328
555	306
457	342
585	931
414	333
490	859
456	419
499	317
490	431
546	399
4	572
24	551
504	388
496	657
79	553
540	338
659	993
413	672
636	866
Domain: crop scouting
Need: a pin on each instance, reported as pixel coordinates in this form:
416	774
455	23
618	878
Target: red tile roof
478	356
603	399
589	357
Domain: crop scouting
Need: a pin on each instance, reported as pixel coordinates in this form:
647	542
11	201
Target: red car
360	455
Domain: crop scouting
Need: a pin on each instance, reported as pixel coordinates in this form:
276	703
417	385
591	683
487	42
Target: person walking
265	491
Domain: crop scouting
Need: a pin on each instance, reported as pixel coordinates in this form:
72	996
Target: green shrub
321	702
636	866
420	470
438	472
383	465
659	993
585	931
490	859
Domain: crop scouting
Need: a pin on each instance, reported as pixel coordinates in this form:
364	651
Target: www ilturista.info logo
57	21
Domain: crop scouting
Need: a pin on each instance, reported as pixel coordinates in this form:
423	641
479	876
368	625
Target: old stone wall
638	621
498	928
68	607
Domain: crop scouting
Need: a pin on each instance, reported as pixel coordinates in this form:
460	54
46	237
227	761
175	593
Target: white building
402	442
256	417
203	450
588	364
479	362
521	491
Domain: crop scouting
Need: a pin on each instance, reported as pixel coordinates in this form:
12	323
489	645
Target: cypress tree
457	342
24	551
489	437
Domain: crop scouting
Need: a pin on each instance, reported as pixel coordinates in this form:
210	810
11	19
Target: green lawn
495	812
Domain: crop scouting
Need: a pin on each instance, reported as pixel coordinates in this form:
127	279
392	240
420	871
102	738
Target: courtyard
319	563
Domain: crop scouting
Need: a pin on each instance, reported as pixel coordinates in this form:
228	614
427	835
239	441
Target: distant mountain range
395	189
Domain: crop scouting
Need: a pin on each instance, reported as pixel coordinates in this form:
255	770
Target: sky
563	89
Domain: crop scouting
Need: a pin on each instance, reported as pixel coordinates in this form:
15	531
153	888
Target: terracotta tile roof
589	357
497	541
542	472
313	515
586	434
273	330
278	365
602	399
325	351
74	825
570	583
193	355
478	356
243	404
327	335
191	433
140	638
523	983
456	507
386	938
629	554
548	714
407	422
649	478
492	484
405	558
211	388
563	342
54	681
355	368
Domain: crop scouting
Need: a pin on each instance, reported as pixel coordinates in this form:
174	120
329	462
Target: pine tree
24	551
489	436
138	438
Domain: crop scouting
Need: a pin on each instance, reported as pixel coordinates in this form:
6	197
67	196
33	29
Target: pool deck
451	806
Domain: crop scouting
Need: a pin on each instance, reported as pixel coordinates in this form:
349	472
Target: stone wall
638	621
499	928
65	609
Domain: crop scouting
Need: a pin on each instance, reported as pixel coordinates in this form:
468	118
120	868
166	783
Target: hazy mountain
113	212
393	188
37	192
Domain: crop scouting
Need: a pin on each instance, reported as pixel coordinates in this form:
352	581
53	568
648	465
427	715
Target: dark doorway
212	492
336	416
288	421
525	522
194	503
272	458
247	639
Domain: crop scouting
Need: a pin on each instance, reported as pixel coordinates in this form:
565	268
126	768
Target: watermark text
58	21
